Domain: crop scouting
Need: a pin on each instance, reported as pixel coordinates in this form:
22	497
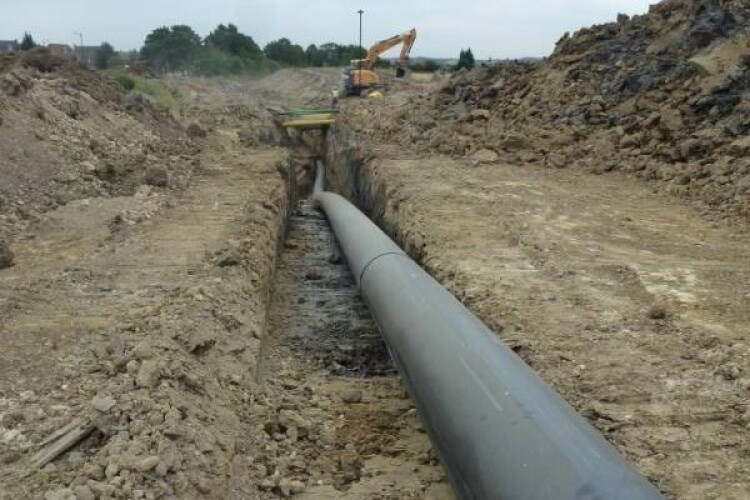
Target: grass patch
161	94
126	80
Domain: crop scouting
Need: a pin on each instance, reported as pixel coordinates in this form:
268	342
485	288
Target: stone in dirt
6	255
289	487
84	493
351	396
657	311
148	374
147	464
60	494
485	156
479	114
103	403
112	470
229	258
156	176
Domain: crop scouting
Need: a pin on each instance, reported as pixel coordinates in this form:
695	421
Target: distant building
9	45
86	53
60	49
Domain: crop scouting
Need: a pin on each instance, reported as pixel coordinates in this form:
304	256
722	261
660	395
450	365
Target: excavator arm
408	44
407	39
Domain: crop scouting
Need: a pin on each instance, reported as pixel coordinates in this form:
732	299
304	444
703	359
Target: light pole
80	50
360	12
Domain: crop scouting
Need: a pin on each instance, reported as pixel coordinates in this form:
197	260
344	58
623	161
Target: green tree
333	54
28	42
466	60
313	56
349	53
104	56
285	52
427	65
171	49
229	40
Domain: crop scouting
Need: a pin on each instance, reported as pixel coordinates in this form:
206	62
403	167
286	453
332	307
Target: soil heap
663	96
68	132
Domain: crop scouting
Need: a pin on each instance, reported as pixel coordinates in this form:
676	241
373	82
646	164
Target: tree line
227	51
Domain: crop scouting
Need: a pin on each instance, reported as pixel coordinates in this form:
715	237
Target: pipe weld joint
371	261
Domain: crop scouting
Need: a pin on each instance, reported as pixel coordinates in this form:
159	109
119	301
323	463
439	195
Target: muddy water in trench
323	358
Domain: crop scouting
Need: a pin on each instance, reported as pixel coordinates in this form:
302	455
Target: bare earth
632	306
208	333
145	318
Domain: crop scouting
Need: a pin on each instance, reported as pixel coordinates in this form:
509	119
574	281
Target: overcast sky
492	28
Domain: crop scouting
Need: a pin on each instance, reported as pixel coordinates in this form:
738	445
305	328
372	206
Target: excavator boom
407	39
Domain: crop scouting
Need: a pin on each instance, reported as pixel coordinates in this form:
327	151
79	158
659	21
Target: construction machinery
308	118
359	78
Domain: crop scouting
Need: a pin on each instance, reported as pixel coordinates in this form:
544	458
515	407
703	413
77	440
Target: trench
323	357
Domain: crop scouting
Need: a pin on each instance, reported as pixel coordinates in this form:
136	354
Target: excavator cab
358	81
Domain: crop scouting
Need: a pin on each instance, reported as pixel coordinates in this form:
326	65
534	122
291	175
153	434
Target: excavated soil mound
67	132
664	96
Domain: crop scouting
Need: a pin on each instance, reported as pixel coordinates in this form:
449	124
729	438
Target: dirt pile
664	96
67	132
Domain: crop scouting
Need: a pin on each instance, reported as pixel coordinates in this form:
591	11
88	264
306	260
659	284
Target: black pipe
500	431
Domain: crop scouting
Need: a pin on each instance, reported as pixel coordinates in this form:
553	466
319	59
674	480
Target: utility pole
80	51
360	12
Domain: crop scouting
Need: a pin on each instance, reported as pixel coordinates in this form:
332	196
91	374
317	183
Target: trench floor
363	439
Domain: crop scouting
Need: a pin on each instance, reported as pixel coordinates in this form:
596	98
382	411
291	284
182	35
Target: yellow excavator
359	78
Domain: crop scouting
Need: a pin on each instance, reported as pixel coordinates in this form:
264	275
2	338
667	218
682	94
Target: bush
163	95
126	81
427	65
159	92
